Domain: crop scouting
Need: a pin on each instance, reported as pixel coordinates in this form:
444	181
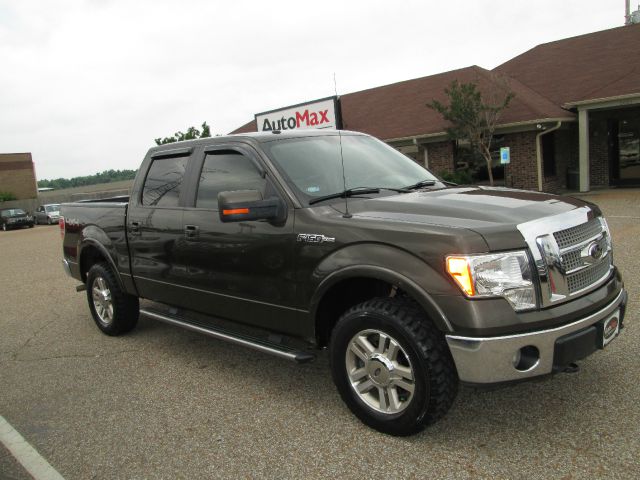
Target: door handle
134	228
191	231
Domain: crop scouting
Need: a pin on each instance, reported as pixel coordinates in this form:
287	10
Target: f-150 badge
315	238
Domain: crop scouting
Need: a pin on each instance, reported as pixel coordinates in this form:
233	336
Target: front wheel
392	367
114	311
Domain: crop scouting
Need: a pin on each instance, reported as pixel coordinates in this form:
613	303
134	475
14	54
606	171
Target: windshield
52	208
12	212
314	164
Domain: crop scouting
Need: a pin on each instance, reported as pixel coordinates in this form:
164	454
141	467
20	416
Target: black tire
49	221
122	317
35	220
422	349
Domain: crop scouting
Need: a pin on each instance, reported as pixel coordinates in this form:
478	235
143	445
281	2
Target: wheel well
89	257
342	296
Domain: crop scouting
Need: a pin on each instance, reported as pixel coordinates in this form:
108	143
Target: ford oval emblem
595	251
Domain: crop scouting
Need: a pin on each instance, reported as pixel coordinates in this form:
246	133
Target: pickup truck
294	242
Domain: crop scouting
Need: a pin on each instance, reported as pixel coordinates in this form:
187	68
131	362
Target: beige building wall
17	175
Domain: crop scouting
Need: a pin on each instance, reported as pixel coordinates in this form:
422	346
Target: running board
244	340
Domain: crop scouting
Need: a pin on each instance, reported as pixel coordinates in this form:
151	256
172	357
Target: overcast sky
87	85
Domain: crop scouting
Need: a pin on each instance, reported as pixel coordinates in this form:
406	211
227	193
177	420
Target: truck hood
492	212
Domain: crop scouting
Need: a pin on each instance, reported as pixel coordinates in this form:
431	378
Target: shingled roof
400	109
593	66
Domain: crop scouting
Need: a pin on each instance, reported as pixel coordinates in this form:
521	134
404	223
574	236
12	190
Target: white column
583	141
426	155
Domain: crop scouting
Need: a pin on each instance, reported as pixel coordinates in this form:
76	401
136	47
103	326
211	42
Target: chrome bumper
491	359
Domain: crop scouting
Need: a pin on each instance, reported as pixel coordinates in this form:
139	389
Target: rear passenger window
163	182
224	171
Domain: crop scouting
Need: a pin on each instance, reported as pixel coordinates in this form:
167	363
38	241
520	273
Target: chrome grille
564	253
578	234
585	278
572	259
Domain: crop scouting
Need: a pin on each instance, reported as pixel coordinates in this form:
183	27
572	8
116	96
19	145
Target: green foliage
6	196
192	133
461	177
107	176
472	117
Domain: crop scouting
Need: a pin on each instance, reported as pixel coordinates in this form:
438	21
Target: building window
549	154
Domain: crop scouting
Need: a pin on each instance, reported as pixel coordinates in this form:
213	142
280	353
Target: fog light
526	358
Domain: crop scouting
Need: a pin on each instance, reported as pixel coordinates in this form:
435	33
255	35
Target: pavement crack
26	343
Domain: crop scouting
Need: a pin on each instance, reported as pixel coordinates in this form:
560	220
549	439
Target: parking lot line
25	454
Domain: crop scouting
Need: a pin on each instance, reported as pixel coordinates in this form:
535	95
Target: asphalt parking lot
167	403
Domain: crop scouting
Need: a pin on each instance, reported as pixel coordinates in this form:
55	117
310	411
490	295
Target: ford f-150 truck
292	242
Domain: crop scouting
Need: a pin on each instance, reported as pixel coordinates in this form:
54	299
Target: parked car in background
48	214
15	218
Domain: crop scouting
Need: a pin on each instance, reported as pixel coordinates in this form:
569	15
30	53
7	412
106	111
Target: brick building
574	121
17	175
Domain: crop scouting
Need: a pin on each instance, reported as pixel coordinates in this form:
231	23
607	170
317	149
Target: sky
87	85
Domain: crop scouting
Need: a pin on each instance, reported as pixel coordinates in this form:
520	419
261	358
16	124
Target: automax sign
316	114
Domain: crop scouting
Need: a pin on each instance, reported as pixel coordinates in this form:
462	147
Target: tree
472	117
103	177
192	133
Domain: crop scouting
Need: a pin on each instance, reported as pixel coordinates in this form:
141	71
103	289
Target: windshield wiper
355	191
420	184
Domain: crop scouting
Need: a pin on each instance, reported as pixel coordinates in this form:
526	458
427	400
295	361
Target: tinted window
162	186
225	171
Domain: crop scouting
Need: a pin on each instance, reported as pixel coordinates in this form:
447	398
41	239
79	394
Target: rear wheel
392	367
114	311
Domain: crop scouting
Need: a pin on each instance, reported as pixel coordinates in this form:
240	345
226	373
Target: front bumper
487	360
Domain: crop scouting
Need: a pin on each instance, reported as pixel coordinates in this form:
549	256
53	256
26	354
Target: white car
47	214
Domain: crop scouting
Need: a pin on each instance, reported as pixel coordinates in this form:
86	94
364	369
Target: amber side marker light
235	211
458	268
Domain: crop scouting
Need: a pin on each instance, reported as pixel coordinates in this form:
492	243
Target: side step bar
246	341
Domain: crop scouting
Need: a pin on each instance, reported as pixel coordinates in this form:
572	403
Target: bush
6	196
461	177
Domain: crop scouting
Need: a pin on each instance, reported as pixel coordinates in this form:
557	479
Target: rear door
154	225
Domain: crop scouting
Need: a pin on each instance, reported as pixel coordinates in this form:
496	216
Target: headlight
504	275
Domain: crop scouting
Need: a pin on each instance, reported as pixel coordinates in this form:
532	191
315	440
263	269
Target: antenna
344	181
344	178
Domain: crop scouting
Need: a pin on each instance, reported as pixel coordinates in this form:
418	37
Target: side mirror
244	205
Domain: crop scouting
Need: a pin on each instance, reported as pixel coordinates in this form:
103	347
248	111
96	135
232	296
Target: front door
241	271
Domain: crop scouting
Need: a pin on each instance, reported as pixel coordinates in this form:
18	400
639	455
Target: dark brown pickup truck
293	242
